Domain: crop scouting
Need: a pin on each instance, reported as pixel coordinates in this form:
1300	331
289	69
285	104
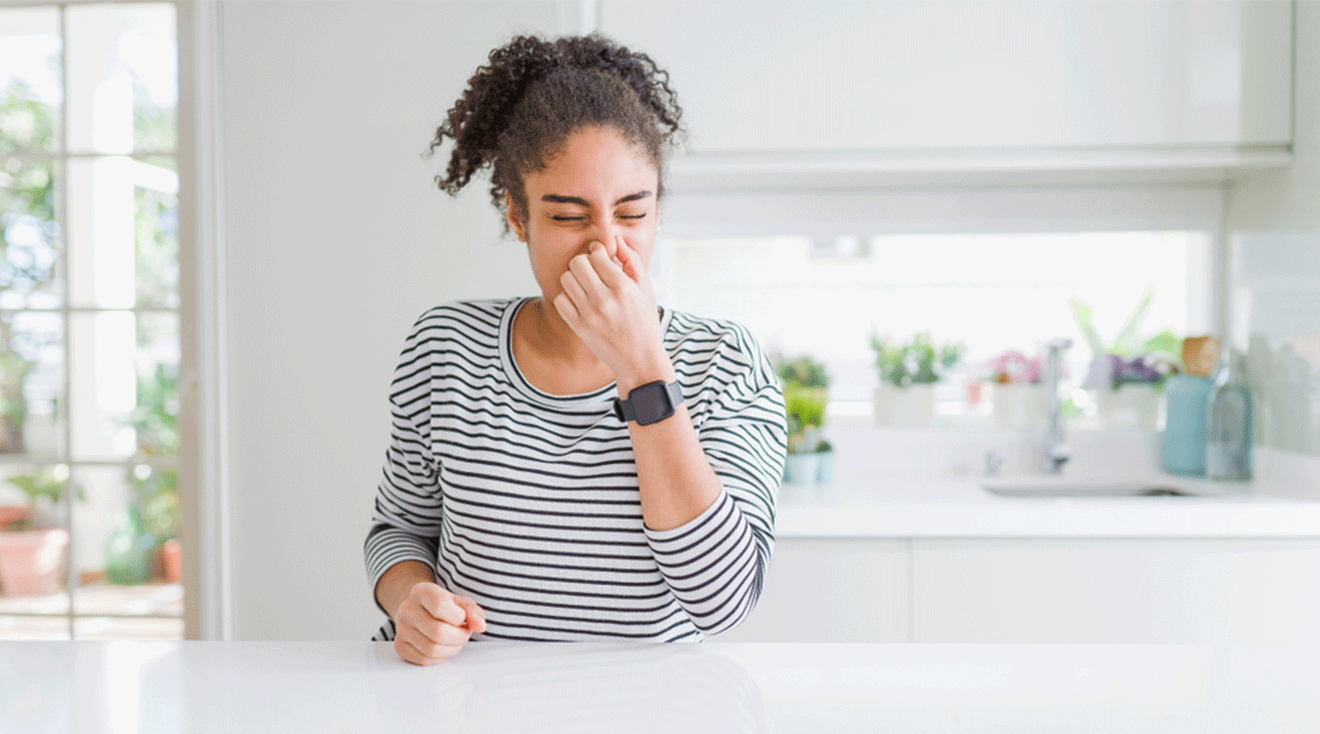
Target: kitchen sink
1051	486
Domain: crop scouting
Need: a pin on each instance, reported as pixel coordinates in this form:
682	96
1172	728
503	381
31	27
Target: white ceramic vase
907	407
801	468
1018	405
1130	406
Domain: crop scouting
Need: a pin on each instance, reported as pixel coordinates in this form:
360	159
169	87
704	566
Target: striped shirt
528	502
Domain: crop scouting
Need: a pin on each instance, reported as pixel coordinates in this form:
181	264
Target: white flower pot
1130	406
1018	405
825	467
908	407
801	468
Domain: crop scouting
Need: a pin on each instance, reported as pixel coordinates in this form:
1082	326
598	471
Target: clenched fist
431	624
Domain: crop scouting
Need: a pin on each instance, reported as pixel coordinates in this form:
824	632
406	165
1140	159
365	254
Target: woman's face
598	186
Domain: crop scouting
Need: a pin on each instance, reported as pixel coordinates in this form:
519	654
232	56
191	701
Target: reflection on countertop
257	687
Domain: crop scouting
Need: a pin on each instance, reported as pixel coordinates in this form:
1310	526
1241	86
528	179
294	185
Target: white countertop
361	687
961	508
913	484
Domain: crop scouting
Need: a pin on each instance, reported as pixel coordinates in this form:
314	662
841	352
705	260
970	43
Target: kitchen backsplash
1276	313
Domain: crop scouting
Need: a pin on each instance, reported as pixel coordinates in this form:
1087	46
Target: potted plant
908	374
1017	396
32	545
806	389
1127	374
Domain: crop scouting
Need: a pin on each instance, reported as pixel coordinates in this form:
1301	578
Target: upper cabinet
972	85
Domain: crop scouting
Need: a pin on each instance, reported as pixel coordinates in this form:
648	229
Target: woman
583	465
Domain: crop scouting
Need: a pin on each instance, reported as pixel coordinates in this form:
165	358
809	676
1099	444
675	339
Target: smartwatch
649	403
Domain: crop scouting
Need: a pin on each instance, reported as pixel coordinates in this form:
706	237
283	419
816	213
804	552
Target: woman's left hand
609	302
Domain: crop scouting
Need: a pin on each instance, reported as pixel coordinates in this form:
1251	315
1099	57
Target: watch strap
646	412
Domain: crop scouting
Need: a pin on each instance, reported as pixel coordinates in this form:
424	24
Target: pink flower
1014	367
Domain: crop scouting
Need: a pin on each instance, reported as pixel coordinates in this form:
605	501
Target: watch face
651	402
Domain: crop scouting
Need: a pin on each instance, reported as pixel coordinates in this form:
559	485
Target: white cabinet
1116	591
847	75
831	591
827	91
1123	591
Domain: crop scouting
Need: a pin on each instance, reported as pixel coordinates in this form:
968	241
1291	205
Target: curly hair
520	108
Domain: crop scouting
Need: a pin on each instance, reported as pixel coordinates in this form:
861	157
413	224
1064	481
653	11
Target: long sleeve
715	564
405	524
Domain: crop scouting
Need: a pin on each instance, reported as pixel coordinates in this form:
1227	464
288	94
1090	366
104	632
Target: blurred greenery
1128	343
27	241
156	423
26	123
156	248
44	482
805	384
804	372
27	204
153	127
919	361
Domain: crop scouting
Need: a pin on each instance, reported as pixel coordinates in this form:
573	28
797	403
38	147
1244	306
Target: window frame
201	411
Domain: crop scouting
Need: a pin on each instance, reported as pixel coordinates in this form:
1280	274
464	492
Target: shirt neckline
603	396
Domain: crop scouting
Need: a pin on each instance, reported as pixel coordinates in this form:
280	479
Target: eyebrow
557	199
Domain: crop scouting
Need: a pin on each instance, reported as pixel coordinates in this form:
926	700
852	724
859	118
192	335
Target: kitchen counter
254	687
907	508
1283	501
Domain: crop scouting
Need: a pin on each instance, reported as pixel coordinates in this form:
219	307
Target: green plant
917	362
1128	344
805	384
804	372
805	411
45	482
805	408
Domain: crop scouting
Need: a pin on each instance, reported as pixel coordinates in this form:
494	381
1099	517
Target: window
990	272
89	322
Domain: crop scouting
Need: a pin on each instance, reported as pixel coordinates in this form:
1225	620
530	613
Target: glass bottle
1228	420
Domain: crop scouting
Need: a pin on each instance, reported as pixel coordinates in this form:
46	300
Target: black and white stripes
528	502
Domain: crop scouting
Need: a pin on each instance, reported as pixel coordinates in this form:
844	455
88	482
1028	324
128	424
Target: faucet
1057	452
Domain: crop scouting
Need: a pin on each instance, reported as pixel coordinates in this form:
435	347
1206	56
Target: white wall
1275	221
336	241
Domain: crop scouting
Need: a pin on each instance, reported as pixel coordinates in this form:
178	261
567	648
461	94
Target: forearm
395	584
673	474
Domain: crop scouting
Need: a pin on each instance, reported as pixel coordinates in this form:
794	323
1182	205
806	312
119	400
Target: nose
603	233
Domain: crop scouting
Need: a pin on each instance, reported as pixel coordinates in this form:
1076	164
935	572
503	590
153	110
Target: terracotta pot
170	553
10	514
32	561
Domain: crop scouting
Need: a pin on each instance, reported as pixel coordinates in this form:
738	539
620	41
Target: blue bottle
1182	446
1228	420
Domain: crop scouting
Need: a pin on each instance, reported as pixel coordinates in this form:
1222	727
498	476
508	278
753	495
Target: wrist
635	378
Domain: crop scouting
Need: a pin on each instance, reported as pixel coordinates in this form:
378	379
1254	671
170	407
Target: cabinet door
840	75
831	591
1116	591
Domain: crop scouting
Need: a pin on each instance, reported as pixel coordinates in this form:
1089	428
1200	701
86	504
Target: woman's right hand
431	624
